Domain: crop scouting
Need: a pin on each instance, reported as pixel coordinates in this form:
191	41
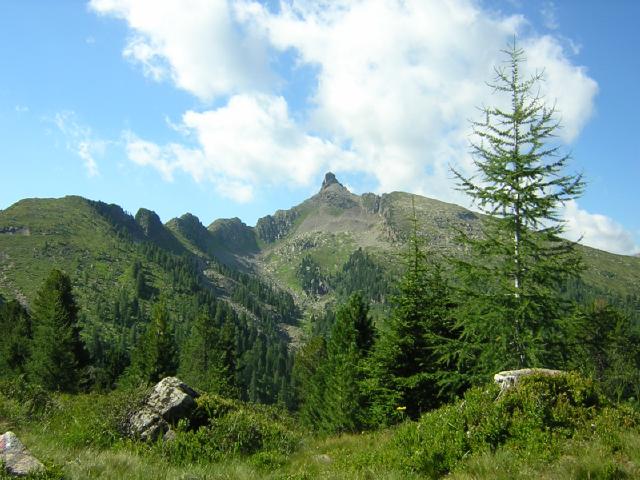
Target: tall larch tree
511	309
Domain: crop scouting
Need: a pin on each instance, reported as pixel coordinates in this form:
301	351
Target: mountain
329	227
303	250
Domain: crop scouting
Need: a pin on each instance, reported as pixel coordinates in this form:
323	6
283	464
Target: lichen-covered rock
147	424
510	378
170	401
17	460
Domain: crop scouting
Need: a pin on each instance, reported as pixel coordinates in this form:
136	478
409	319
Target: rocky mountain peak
329	179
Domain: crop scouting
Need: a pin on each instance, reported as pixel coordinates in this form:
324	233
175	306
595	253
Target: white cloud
397	81
598	231
549	13
80	140
566	83
195	43
400	80
250	141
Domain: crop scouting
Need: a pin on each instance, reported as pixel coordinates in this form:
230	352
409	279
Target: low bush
233	428
531	421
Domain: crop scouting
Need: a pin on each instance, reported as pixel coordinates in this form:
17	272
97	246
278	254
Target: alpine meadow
352	335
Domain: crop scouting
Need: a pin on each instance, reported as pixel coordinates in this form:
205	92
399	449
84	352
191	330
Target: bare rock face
170	401
16	458
510	378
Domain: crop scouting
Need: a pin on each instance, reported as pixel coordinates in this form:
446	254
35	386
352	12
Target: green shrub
234	428
21	400
530	421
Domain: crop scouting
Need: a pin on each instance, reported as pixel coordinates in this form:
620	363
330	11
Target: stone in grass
510	378
170	401
17	460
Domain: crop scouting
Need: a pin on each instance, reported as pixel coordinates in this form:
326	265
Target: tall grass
547	428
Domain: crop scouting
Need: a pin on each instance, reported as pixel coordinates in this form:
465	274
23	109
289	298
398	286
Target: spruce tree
57	352
335	400
15	325
203	362
405	367
156	355
510	281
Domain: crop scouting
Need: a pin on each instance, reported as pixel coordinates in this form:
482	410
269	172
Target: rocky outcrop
15	230
274	227
371	202
17	460
334	194
234	235
154	230
170	401
510	378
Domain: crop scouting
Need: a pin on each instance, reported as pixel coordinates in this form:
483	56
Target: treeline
360	273
351	376
134	334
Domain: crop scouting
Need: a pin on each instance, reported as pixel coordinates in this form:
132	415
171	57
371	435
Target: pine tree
156	355
203	362
405	368
510	281
57	352
15	325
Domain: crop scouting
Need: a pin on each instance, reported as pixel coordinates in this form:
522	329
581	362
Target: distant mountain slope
330	226
97	243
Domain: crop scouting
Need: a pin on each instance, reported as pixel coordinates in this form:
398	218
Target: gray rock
510	378
17	460
170	401
147	424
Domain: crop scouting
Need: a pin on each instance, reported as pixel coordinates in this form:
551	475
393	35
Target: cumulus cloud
250	141
400	80
80	140
397	82
196	44
598	231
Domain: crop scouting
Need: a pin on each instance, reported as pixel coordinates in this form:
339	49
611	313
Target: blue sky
238	108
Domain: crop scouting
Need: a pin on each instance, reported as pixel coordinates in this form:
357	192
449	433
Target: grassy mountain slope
96	243
332	224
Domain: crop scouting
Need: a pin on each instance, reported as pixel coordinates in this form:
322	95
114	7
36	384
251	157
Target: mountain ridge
326	228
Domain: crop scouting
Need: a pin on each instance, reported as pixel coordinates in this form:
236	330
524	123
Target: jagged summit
329	179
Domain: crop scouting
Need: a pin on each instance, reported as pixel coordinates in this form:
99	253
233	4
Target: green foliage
604	345
331	393
155	356
311	277
234	428
57	353
15	325
361	274
308	379
207	357
531	421
404	369
510	282
21	400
